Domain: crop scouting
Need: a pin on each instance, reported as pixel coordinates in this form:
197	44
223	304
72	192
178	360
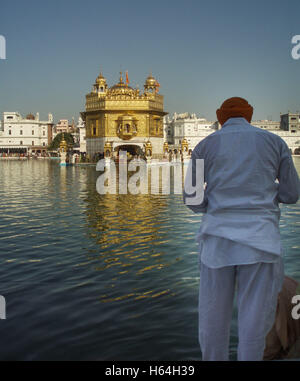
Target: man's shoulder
262	131
268	134
247	127
200	145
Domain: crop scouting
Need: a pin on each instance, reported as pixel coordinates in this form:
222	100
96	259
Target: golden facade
124	116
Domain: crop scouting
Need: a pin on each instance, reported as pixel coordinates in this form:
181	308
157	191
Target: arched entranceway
133	150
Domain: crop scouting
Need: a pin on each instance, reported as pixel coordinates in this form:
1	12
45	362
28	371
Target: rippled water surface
101	277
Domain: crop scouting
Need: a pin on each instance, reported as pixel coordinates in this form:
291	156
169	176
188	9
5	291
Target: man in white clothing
248	172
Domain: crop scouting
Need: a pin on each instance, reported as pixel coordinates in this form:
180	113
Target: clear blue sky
202	52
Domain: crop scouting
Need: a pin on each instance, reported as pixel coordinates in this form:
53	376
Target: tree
58	138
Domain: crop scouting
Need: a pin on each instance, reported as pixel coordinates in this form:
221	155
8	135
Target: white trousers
257	285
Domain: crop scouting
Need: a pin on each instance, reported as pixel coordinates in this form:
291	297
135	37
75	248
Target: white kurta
216	252
239	238
241	199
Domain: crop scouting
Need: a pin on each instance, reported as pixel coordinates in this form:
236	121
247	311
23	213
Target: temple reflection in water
130	231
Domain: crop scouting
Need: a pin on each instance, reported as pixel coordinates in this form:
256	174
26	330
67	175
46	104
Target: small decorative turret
100	85
107	150
148	149
165	148
63	145
184	145
151	84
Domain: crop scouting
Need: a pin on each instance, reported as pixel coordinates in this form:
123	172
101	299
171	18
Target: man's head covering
233	108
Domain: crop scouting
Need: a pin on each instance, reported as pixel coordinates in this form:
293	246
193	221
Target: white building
288	128
266	124
25	135
195	129
187	126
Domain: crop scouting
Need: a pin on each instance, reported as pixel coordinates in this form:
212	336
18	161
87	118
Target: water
101	277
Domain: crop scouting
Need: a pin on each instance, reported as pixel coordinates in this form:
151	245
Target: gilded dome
121	88
150	81
151	84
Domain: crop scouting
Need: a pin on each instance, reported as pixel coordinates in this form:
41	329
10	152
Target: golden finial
121	79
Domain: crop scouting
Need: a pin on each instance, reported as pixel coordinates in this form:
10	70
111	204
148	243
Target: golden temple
124	118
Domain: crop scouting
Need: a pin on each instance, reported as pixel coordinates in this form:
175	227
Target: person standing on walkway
248	171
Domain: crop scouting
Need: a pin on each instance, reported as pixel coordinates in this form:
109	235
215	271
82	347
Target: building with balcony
25	135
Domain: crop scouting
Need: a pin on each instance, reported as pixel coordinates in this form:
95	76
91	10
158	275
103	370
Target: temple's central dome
121	88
